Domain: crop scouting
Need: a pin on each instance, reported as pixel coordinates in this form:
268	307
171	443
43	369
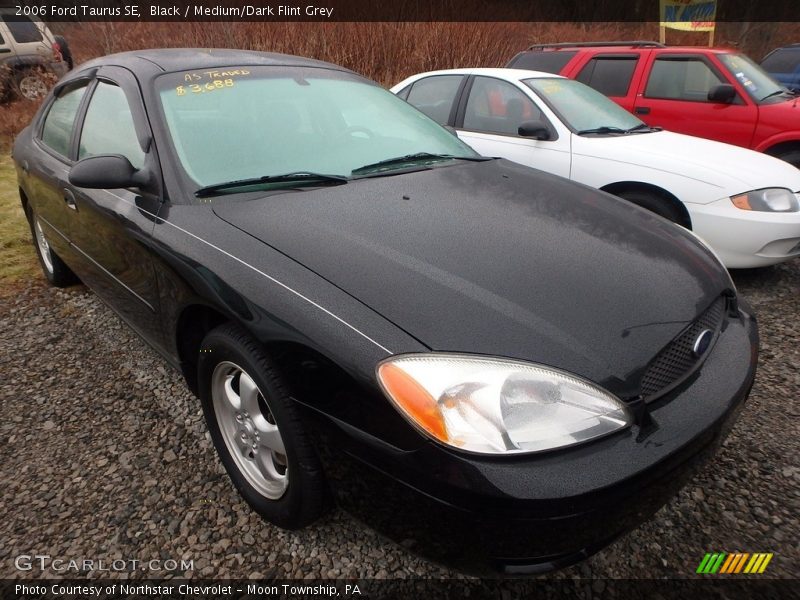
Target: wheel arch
296	361
782	147
619	187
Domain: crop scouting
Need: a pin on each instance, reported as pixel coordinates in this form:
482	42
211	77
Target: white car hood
732	169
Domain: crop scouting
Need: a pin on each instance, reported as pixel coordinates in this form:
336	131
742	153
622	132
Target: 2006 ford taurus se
505	367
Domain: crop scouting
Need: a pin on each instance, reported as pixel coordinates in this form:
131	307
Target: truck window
681	78
609	75
547	61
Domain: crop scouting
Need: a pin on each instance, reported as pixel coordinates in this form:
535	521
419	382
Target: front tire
654	203
54	269
257	430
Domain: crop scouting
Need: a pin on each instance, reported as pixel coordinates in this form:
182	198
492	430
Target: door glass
549	61
496	106
108	127
435	95
609	75
22	29
681	79
60	120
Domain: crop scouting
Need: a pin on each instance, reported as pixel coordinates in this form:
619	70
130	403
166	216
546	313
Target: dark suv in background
784	65
715	93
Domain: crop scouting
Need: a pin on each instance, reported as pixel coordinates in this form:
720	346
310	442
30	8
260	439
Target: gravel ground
105	455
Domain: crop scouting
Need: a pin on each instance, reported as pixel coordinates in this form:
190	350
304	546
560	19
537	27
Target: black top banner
389	10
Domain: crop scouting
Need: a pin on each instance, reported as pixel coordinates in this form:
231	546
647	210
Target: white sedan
744	204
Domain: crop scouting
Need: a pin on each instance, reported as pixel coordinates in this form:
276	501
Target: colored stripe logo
736	562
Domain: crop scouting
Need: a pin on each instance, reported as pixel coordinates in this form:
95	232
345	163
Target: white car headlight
498	406
768	200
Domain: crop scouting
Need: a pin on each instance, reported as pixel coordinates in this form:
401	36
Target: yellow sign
688	15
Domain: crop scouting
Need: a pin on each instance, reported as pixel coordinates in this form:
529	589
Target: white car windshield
234	124
583	109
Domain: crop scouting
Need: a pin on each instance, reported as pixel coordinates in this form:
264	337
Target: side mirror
534	129
106	172
723	93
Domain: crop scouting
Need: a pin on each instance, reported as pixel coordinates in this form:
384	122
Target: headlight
498	406
768	199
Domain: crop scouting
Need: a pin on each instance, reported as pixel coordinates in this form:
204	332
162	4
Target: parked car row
502	368
745	205
32	58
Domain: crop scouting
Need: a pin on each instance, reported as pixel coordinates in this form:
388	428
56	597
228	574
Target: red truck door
673	94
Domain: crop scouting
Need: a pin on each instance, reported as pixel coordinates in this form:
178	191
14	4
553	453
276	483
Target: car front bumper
744	238
538	512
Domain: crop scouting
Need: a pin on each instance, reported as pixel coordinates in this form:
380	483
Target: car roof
500	73
182	59
623	46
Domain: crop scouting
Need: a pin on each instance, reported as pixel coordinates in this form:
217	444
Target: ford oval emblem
702	343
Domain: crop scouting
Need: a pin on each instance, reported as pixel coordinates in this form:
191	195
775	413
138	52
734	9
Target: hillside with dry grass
385	52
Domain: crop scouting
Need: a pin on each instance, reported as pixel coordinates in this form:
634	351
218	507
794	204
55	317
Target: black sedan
497	366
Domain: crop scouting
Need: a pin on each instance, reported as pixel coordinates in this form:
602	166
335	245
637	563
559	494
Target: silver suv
31	57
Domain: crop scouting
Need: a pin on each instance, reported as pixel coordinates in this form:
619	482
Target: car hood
730	168
494	258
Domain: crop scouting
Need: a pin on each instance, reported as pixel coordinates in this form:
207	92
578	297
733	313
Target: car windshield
582	108
758	83
256	123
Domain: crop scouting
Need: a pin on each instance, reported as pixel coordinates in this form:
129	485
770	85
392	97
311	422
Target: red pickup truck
707	92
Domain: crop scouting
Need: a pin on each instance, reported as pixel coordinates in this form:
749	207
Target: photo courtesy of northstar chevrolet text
335	293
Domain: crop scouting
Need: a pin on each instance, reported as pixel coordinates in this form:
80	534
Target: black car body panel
486	258
499	247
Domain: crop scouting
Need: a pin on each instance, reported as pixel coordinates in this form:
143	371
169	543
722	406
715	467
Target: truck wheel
32	83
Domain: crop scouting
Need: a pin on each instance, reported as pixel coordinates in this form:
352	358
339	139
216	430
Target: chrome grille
677	361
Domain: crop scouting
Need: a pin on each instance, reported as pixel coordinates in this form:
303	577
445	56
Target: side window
60	120
681	79
609	75
435	95
404	92
22	29
108	127
549	61
496	106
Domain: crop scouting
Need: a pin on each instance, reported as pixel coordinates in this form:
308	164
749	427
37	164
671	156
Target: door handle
642	110
5	50
69	198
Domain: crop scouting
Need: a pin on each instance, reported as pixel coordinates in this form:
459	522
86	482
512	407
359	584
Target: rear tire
257	430
654	203
54	269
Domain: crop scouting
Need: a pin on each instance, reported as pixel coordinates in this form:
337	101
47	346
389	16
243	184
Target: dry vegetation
386	52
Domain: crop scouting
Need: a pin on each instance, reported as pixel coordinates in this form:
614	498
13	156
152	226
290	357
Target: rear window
609	75
785	60
22	29
548	61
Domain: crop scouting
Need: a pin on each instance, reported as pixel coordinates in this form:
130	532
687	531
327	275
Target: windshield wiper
414	158
775	93
640	127
296	177
603	129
